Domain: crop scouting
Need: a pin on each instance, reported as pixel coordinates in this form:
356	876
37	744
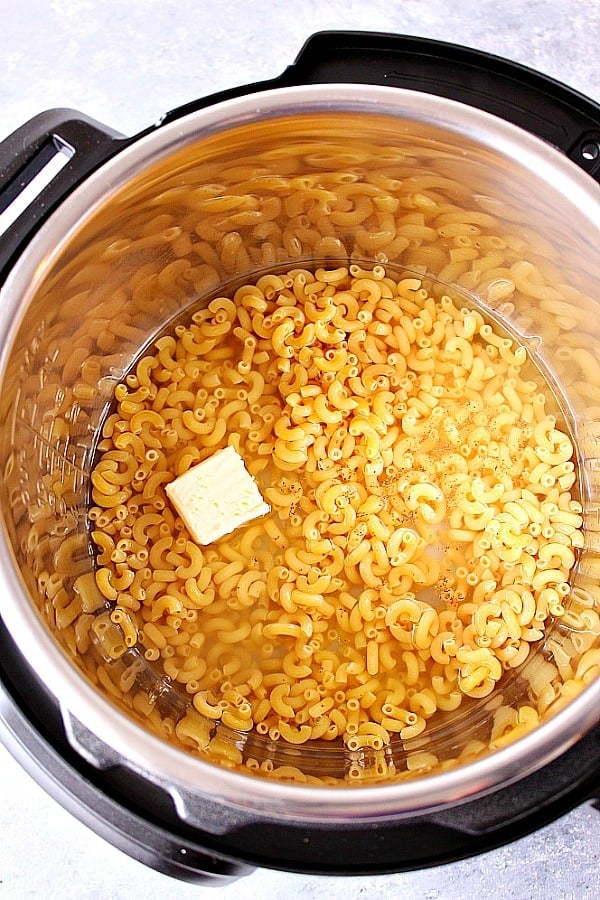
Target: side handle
40	164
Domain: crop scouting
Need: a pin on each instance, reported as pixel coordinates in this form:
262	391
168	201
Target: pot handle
535	102
40	163
531	803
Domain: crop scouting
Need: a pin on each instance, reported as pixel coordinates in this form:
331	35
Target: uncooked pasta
423	522
367	317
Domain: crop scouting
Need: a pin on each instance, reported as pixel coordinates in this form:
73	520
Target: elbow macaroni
384	424
375	419
465	412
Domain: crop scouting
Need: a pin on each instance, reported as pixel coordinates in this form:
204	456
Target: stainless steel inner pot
87	290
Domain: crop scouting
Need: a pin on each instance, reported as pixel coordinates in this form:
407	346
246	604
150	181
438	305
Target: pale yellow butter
216	496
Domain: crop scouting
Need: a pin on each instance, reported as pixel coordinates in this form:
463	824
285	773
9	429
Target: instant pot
523	147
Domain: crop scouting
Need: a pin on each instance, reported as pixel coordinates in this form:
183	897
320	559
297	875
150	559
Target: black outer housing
533	101
137	817
140	819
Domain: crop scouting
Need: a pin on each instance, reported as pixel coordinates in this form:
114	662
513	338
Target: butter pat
216	496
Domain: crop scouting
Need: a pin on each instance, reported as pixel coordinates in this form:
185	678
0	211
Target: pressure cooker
81	293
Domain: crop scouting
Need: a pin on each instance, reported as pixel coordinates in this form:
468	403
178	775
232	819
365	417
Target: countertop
124	64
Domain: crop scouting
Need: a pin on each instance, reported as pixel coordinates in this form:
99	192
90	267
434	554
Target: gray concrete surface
125	63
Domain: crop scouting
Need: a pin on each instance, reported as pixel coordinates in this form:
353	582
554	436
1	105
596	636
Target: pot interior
444	228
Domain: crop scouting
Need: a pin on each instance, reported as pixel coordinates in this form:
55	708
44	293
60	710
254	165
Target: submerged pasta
423	528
